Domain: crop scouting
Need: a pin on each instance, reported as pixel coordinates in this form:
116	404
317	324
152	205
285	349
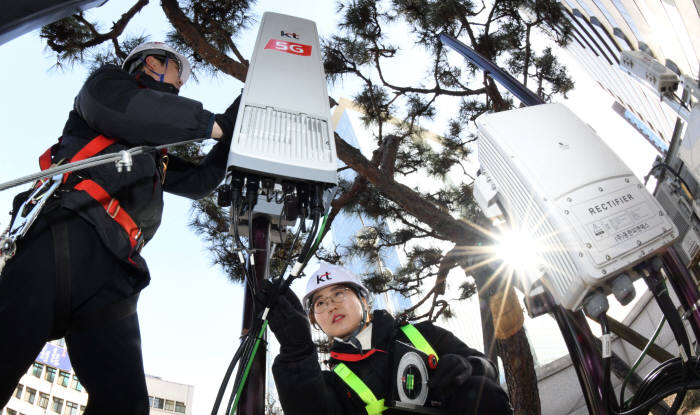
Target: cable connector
296	270
251	191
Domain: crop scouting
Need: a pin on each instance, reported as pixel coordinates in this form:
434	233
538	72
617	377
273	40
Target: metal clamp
124	161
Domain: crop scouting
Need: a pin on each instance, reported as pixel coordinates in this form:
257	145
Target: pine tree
372	37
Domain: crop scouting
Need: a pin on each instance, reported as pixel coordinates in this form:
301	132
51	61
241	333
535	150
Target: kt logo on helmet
289	47
323	277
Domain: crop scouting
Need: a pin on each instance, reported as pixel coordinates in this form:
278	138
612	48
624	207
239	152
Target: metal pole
253	393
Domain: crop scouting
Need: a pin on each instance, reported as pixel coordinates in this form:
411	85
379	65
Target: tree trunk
487	326
520	373
513	347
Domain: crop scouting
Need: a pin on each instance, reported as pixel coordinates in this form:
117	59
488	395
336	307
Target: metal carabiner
24	219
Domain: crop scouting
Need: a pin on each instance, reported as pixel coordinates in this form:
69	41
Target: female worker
462	380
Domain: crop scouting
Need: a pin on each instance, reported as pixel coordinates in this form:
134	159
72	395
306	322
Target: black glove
452	371
227	120
287	321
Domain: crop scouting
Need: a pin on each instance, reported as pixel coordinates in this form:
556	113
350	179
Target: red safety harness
97	192
354	357
64	320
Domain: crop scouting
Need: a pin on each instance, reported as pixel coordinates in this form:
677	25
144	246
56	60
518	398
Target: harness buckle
109	208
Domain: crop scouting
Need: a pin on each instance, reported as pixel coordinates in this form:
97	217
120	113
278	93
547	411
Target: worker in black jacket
78	271
462	380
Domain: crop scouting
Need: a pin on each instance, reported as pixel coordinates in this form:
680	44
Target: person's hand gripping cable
287	320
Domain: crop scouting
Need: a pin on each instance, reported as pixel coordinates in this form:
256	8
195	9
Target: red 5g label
289	47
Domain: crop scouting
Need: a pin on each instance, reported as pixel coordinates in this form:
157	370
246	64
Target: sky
190	314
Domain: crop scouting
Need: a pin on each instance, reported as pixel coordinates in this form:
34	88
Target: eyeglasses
321	304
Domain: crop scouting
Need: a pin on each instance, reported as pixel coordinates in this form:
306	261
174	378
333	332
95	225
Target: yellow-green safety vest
375	406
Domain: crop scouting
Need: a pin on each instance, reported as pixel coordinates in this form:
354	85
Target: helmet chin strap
352	338
161	76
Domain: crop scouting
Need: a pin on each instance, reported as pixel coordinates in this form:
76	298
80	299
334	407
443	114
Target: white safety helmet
138	55
329	274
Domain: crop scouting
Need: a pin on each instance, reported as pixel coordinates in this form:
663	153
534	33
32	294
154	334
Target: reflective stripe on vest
417	339
94	190
373	406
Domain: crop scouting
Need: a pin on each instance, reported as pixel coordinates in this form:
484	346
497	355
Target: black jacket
136	110
305	389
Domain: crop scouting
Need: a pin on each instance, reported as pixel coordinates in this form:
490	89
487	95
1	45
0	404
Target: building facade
51	386
668	31
165	397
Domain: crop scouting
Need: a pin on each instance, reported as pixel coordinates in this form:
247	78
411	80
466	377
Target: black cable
680	100
668	375
239	244
290	251
603	320
665	380
668	168
316	211
661	376
251	254
249	342
227	377
656	285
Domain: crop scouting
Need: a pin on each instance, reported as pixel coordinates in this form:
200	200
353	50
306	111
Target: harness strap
95	145
114	210
354	357
110	204
417	339
45	158
61	248
373	406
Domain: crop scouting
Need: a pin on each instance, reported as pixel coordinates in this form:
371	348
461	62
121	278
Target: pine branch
190	32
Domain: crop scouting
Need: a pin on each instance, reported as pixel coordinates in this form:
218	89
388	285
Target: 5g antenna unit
281	169
282	155
551	175
283	129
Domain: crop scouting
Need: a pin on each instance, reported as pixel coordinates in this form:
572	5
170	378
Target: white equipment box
283	128
554	176
649	71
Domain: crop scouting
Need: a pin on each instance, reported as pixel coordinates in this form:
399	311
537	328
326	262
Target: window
63	378
50	374
37	368
11	412
18	391
75	384
30	395
43	400
158	403
169	405
57	405
180	407
150	401
82	409
71	408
